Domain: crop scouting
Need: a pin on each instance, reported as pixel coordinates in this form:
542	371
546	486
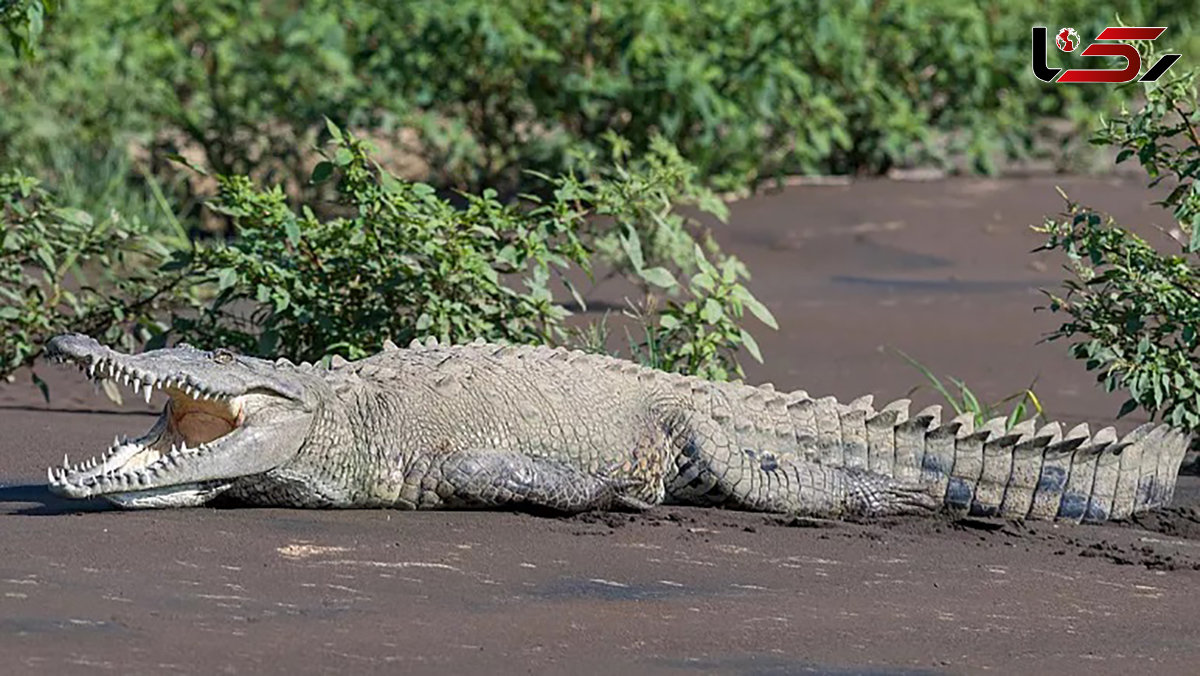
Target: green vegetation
1027	403
1134	311
472	94
393	261
62	269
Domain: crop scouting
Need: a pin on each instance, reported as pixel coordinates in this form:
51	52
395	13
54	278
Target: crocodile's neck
343	459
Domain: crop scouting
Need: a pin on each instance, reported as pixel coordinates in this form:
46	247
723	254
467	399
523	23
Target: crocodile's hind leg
710	470
499	479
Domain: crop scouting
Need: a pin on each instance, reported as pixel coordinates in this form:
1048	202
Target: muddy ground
940	270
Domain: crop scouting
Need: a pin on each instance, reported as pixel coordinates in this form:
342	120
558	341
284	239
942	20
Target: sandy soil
940	270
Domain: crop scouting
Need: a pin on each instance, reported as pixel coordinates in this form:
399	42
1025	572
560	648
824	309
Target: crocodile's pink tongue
200	422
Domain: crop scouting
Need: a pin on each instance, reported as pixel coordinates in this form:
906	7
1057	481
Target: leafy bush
746	90
701	333
474	93
61	269
402	263
393	261
1137	309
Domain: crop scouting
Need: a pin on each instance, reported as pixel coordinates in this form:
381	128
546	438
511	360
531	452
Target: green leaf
751	345
757	309
660	277
75	217
292	229
180	159
632	245
334	131
321	172
702	262
226	278
712	311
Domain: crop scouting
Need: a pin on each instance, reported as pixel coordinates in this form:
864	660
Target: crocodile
537	428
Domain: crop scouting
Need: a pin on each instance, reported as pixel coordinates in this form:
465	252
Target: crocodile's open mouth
194	421
226	417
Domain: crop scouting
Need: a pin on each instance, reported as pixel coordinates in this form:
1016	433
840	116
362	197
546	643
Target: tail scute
1028	459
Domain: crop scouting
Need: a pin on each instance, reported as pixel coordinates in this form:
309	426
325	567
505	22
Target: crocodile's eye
222	356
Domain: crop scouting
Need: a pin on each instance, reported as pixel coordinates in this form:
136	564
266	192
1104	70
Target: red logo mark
1067	40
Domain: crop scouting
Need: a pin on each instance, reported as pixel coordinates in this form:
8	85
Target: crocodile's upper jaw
226	417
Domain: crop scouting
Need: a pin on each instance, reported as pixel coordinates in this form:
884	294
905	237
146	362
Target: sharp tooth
49	476
149	391
66	462
137	386
116	442
91	369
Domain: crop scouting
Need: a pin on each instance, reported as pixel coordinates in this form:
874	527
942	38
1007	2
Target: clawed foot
911	500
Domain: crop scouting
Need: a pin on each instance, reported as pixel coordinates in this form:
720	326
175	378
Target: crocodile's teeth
149	391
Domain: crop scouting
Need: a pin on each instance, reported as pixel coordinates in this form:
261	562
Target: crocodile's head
226	417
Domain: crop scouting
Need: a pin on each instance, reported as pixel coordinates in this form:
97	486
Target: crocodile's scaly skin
485	425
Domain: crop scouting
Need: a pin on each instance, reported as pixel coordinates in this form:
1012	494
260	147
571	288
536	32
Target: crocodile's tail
1024	472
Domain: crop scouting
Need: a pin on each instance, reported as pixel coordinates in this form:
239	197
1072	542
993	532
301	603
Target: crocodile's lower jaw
184	495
